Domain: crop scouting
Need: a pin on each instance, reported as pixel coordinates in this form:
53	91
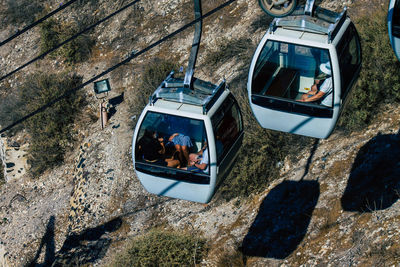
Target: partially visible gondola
296	51
394	26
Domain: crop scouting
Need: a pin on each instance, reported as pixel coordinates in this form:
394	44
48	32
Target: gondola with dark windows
303	71
394	26
188	136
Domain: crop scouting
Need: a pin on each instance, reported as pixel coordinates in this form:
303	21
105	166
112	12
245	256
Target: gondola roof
323	26
172	94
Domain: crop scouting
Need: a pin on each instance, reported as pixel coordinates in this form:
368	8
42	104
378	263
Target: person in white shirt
324	93
199	162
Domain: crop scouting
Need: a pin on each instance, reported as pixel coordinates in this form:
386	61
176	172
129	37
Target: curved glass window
165	144
227	126
396	19
285	74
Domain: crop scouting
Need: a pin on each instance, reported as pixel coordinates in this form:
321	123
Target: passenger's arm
313	98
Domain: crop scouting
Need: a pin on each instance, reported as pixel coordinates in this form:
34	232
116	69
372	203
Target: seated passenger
182	144
198	162
153	149
323	92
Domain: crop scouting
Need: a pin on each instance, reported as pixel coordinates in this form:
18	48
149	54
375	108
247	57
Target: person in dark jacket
152	149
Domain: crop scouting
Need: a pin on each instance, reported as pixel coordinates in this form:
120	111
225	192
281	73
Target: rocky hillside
334	203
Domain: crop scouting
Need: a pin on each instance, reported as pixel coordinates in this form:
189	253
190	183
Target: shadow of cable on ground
374	181
282	220
78	249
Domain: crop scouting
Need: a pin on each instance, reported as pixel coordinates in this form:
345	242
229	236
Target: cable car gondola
394	26
309	52
184	120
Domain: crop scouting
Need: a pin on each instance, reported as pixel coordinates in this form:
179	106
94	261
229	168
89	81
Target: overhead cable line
19	32
68	40
128	59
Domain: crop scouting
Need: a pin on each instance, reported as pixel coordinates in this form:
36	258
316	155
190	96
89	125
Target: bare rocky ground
321	212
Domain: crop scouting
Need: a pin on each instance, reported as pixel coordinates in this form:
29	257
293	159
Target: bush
379	80
163	248
50	130
10	110
239	49
22	12
153	75
52	33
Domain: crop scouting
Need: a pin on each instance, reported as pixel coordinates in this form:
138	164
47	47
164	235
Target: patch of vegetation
239	49
51	129
163	248
153	74
52	33
262	21
379	80
10	106
21	12
235	258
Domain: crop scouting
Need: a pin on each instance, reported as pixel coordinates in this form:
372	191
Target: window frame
291	105
216	122
350	34
166	172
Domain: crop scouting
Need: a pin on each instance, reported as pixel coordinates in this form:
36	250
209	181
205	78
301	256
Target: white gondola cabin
394	26
209	115
301	55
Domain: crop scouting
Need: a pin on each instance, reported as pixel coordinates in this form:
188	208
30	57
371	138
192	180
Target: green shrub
50	130
379	80
22	11
153	74
10	110
239	49
163	248
52	33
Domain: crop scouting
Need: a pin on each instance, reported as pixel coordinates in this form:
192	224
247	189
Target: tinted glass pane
166	141
227	125
396	14
289	71
349	58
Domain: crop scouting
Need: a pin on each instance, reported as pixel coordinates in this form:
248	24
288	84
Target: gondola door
394	26
349	57
228	135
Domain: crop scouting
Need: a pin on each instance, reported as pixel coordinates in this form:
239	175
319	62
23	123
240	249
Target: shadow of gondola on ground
282	220
48	241
374	182
88	246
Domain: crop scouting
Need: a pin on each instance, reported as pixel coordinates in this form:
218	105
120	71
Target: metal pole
308	9
103	114
195	45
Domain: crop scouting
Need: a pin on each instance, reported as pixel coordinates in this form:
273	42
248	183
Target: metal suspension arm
195	45
309	8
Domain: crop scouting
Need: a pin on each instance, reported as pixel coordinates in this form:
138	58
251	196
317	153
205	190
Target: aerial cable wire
68	40
128	59
19	32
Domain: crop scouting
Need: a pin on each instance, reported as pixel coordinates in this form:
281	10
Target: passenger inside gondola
288	71
152	149
198	162
180	135
321	92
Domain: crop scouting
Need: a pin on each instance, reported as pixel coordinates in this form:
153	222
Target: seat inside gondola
288	71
